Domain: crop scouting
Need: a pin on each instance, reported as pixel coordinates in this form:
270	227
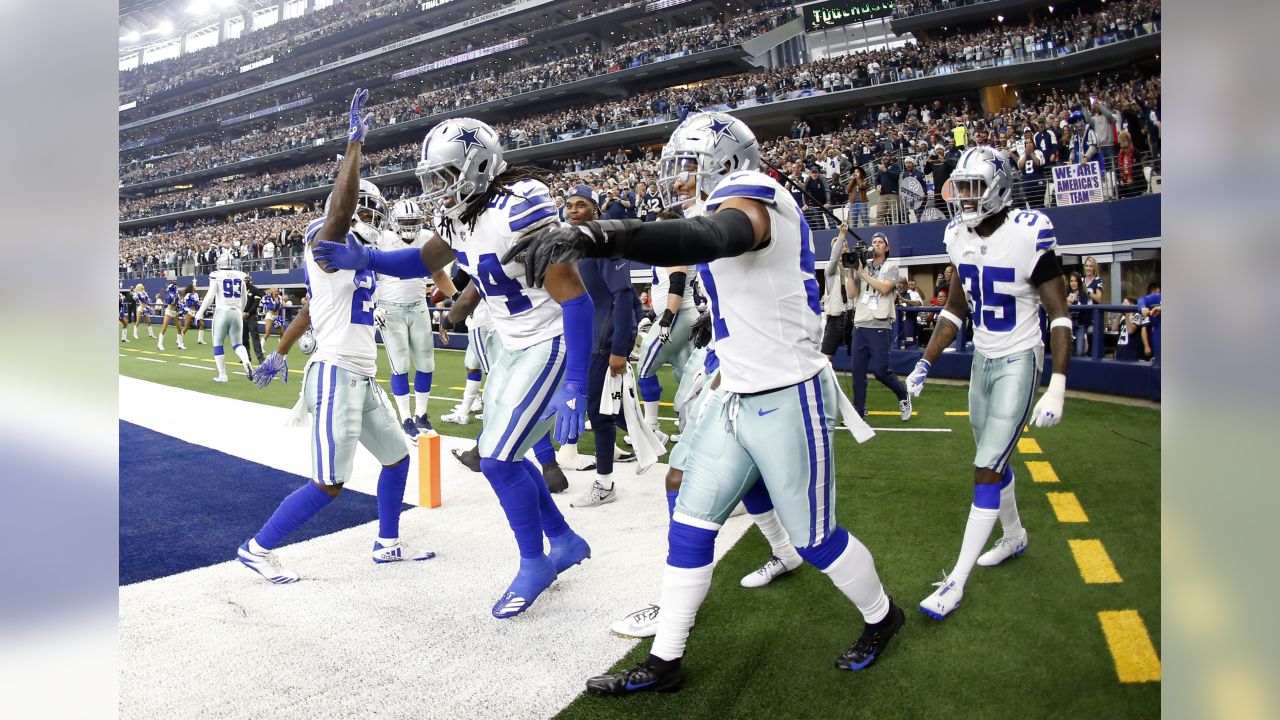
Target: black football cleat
641	678
470	458
870	646
554	477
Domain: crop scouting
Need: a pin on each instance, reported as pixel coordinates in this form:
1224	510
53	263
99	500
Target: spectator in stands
857	189
1149	306
1103	122
816	192
887	210
1031	180
650	202
1128	326
1075	298
909	295
940	165
910	170
1129	174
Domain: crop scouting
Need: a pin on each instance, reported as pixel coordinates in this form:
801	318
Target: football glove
569	405
915	381
557	244
664	325
1048	410
348	255
266	372
380	318
700	331
359	122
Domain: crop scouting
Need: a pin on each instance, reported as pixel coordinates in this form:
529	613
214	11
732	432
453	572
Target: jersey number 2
362	298
996	311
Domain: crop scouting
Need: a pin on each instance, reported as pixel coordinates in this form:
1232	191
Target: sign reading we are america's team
1076	184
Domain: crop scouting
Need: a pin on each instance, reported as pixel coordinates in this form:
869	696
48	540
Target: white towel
619	395
301	413
862	432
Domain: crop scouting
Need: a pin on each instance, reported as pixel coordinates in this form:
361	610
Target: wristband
1063	322
951	317
1057	384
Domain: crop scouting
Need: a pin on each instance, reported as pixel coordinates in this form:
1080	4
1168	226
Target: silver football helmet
371	207
706	146
224	260
406	219
979	187
460	159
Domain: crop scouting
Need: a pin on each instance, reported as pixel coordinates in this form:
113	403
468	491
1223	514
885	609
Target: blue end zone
185	506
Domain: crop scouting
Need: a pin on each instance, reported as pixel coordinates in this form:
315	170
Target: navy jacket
609	284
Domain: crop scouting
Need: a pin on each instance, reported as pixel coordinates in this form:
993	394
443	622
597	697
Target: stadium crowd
1065	33
446	96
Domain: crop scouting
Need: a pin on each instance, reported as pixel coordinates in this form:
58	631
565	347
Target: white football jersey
401	290
661	287
766	317
522	316
996	275
341	311
480	318
228	288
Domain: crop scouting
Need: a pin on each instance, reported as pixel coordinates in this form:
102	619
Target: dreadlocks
499	187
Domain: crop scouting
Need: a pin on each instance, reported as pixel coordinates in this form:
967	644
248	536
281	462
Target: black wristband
446	323
668	317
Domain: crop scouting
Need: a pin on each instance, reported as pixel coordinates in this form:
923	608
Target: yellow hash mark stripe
1094	562
1029	446
889	413
957	413
1041	471
1131	648
1067	507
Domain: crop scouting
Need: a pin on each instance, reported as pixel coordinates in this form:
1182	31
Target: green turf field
1027	642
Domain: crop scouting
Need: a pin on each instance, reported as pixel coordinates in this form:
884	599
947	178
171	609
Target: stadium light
1000	18
165	28
132	36
198	7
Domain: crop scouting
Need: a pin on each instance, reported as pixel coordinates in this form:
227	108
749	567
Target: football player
190	304
771	413
667	340
1006	270
347	405
170	300
484	209
143	302
226	294
401	315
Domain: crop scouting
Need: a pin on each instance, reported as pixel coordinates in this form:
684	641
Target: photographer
837	328
874	286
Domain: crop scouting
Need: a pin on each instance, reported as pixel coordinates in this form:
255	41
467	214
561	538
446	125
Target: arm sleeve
579	313
1047	268
678	281
402	263
689	241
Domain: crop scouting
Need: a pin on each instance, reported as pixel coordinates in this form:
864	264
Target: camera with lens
860	255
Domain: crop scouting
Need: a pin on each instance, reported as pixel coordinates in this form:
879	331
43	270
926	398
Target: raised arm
346	188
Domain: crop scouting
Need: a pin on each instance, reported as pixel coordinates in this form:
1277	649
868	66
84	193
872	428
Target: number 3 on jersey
996	311
232	288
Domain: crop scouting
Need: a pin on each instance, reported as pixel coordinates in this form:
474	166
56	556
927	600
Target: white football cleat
943	600
905	407
220	378
596	495
398	552
766	574
457	417
642	623
265	564
1006	547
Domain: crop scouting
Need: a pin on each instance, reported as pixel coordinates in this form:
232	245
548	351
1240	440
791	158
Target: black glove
700	331
565	244
445	323
664	325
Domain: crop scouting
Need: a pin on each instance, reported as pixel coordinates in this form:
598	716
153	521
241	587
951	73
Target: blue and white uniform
676	350
1005	307
226	295
143	300
169	298
774	411
482	342
190	304
408	333
347	406
528	369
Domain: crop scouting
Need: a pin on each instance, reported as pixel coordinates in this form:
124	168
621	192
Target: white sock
150	333
469	395
1009	519
221	360
135	332
854	574
651	413
242	354
606	482
124	334
420	400
683	590
402	404
200	336
778	539
976	532
257	549
388	542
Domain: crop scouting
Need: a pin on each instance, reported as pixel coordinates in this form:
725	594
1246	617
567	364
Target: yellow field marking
1067	507
1041	471
1094	562
889	413
1131	648
957	413
458	388
1029	446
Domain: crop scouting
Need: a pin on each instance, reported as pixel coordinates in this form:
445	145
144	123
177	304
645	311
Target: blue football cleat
398	552
870	646
569	550
536	575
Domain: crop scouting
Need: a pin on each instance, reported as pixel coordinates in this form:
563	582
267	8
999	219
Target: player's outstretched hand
266	372
349	255
1048	410
359	122
551	246
700	331
915	381
569	405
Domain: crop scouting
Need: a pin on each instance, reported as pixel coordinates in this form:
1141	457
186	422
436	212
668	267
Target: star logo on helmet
467	138
721	129
996	162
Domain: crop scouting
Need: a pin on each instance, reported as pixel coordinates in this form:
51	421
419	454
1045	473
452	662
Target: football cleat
535	575
248	370
470	458
1006	547
555	478
766	574
265	564
641	678
457	417
943	601
423	422
871	644
398	552
642	623
568	551
410	429
905	407
220	378
595	496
